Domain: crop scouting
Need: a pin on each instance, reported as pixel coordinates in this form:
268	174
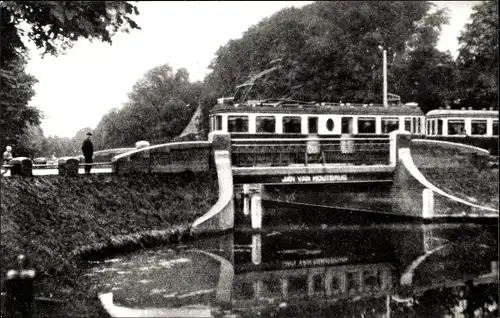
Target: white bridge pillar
256	211
256	249
246	199
252	203
427	203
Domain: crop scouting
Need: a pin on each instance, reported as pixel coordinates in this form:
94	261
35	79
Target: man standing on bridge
88	152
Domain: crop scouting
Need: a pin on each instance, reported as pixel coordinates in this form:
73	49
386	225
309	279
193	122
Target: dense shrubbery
49	217
469	183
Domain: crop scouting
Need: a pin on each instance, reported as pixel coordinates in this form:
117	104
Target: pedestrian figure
7	155
88	152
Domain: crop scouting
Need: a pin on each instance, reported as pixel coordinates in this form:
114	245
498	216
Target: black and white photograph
241	159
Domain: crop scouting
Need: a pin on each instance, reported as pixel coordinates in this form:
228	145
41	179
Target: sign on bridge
314	178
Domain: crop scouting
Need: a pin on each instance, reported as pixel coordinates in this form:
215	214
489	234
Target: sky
77	88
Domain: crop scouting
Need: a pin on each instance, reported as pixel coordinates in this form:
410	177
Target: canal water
391	270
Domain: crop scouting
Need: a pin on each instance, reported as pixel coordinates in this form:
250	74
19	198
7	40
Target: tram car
293	119
477	128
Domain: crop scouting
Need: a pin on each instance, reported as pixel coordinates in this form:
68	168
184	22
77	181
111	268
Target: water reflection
377	271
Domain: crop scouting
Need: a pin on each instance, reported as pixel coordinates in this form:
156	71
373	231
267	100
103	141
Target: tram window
292	125
371	280
366	125
440	127
237	123
265	124
408	124
297	285
245	290
318	284
335	285
456	127
389	125
273	285
478	127
347	125
329	124
495	128
312	125
428	127
352	282
218	123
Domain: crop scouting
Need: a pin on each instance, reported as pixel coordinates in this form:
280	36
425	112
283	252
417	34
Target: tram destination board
315	178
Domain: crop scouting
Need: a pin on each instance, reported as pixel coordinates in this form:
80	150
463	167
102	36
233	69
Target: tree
478	57
32	142
52	26
60	147
55	26
17	90
427	77
330	51
160	105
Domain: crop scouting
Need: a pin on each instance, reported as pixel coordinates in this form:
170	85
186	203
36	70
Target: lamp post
384	75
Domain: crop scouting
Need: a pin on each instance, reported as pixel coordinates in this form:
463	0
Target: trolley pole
385	78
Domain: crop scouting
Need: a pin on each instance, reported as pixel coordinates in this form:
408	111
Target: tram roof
327	109
465	113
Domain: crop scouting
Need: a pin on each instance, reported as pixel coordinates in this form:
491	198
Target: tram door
347	125
313	146
312	125
346	143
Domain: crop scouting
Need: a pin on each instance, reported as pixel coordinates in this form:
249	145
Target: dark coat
87	148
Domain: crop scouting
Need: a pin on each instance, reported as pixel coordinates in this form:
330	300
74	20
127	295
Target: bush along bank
479	186
56	221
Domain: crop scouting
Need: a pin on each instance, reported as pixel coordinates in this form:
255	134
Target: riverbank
479	186
51	218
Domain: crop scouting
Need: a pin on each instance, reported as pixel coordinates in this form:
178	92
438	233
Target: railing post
61	167
427	203
21	166
19	290
68	166
142	144
346	143
72	165
398	139
246	199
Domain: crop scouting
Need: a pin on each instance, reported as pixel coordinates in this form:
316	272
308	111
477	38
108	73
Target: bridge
249	169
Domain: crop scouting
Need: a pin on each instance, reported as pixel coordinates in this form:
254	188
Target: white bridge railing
284	152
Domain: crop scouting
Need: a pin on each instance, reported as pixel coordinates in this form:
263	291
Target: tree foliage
159	106
478	57
53	26
32	143
331	51
15	93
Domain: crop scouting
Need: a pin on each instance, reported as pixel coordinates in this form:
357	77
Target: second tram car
474	127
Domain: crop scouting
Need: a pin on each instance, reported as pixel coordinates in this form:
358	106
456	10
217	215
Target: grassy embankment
465	181
474	185
50	218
